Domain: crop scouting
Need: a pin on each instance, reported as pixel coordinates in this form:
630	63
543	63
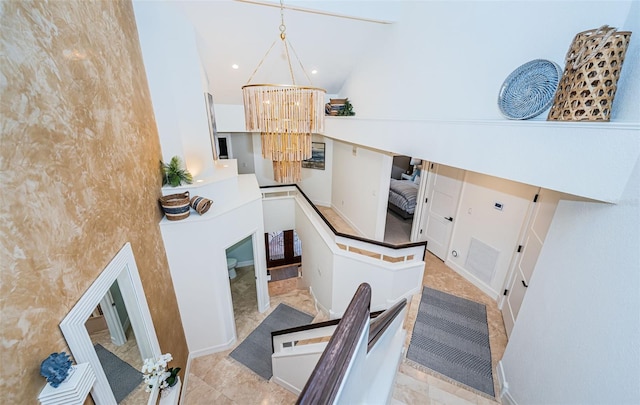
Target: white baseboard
285	385
212	349
505	395
472	279
408	295
185	379
245	263
347	220
319	307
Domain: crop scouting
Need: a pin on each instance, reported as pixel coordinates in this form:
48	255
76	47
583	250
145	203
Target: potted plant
174	174
347	110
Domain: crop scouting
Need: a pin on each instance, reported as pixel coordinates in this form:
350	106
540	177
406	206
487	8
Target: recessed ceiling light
313	72
234	66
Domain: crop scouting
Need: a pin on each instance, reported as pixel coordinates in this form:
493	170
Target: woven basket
176	206
201	204
589	81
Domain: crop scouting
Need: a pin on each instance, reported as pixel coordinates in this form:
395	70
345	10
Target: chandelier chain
262	60
286	116
286	50
300	62
282	27
286	45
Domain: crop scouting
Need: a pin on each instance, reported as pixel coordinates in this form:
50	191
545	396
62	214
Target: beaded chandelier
285	115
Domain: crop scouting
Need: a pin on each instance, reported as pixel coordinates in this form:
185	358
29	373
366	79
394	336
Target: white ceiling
234	32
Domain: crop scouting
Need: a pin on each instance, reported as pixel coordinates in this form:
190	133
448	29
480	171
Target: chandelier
286	115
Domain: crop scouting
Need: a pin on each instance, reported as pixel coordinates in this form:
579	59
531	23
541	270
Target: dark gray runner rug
284	273
255	351
121	376
451	337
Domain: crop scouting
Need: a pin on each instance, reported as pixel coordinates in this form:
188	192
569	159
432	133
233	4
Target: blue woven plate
529	90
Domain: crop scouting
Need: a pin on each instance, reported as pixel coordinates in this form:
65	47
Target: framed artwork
213	132
317	157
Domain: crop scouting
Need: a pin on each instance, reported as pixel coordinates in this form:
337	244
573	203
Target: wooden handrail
382	322
316	325
345	235
325	380
312	326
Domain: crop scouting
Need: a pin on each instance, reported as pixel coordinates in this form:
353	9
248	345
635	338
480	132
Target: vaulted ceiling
329	37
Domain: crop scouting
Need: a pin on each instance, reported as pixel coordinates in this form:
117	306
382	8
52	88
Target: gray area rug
284	273
255	351
121	376
451	337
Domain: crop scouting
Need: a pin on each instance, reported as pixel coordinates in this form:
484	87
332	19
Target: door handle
525	284
450	219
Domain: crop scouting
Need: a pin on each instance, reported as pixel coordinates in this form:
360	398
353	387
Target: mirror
112	336
123	273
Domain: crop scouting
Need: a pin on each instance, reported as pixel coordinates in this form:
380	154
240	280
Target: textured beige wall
79	154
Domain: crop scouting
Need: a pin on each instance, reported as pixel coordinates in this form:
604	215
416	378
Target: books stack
334	106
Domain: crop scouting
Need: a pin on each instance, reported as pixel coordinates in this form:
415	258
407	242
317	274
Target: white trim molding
505	395
122	269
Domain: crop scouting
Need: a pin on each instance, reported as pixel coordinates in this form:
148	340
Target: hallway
220	379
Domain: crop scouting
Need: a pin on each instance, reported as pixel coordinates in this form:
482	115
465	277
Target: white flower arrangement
157	374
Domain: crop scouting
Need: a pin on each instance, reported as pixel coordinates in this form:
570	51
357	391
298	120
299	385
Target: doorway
224	146
284	261
404	187
242	276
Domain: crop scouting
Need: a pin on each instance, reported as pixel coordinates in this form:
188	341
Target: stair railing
326	379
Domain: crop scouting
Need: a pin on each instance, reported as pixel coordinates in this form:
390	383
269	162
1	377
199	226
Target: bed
402	197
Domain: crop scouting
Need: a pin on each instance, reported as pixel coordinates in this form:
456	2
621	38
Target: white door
439	206
524	262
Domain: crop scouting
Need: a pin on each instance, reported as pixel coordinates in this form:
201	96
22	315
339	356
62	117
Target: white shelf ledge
587	159
73	390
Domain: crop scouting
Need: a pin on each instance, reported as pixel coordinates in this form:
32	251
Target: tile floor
219	379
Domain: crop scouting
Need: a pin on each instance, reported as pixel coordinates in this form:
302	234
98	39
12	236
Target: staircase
349	360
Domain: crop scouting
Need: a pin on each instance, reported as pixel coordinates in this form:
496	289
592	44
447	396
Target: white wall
625	104
263	167
577	333
196	252
477	218
172	64
333	275
317	260
447	60
439	101
388	285
242	151
360	187
316	184
277	214
230	117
